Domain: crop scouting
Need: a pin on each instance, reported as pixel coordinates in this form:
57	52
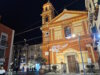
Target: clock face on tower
47	34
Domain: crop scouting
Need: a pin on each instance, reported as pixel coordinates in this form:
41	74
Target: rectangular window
4	38
2	51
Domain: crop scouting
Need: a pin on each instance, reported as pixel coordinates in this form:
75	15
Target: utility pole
26	50
81	54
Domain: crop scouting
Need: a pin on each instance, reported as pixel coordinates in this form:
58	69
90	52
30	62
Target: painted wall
10	34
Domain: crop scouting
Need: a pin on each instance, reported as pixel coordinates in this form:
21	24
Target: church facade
66	38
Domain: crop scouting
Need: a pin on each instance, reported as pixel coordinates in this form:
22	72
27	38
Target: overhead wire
40	20
69	4
40	26
28	40
28	30
81	3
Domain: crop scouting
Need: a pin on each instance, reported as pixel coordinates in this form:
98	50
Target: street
51	73
72	74
23	73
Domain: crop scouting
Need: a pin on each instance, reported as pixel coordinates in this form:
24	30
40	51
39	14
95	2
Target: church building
66	38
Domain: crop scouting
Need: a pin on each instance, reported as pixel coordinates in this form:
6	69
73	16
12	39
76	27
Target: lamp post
79	38
26	50
81	54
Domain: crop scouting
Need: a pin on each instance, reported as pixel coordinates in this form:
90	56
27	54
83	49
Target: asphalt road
51	73
24	73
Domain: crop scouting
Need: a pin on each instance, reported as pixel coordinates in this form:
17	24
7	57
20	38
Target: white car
2	71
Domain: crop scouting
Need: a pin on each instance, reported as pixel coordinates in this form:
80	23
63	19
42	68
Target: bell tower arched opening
48	13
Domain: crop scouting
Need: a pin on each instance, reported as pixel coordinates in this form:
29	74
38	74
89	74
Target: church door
72	63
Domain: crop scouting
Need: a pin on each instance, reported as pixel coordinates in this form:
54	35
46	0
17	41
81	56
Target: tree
41	60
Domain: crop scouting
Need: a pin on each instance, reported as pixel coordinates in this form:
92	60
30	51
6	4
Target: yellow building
60	36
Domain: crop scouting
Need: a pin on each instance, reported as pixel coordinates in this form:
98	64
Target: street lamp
26	50
79	38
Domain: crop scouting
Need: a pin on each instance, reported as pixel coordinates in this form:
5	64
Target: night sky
22	15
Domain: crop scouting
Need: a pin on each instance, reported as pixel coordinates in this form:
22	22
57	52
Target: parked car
2	71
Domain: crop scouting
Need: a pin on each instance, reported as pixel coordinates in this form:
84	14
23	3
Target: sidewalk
52	73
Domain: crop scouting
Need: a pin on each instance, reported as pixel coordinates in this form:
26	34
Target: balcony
3	44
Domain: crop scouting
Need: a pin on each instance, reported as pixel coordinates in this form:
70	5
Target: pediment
67	14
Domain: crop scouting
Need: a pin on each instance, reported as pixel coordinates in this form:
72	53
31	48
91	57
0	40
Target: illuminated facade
93	7
58	45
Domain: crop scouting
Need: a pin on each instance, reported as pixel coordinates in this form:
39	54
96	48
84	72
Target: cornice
70	20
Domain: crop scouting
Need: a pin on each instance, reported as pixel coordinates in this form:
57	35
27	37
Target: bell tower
48	13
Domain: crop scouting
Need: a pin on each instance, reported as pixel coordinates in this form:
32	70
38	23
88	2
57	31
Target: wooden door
72	63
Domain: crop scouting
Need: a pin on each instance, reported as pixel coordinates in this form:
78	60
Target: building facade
6	44
28	54
61	35
93	8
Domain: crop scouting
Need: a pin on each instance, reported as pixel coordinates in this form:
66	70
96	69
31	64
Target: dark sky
22	15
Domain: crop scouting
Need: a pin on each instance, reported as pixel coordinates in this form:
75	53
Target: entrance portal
72	64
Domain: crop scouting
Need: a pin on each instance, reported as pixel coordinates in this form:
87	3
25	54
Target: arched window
67	31
46	19
46	9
